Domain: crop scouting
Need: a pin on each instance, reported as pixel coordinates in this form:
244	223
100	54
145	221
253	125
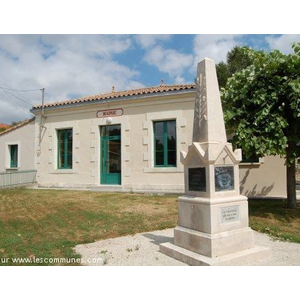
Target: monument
213	227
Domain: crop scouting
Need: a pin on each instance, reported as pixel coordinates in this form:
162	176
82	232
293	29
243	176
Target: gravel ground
143	250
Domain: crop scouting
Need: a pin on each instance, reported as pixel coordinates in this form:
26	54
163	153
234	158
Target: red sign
110	113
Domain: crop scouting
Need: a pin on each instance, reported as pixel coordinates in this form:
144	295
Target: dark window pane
111	130
69	161
114	156
171	143
69	148
114	130
159	128
159	143
250	159
171	131
65	148
61	149
172	158
165	143
159	158
14	156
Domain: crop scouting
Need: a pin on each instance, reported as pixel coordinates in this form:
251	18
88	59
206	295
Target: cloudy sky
70	66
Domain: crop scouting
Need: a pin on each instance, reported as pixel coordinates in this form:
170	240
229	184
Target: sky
71	66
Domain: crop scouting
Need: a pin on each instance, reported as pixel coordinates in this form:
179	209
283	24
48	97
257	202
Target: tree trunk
291	185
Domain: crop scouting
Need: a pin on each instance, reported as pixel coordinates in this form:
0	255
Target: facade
17	147
131	141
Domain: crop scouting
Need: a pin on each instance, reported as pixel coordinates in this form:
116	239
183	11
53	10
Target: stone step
107	188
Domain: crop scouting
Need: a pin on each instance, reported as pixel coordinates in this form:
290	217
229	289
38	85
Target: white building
131	141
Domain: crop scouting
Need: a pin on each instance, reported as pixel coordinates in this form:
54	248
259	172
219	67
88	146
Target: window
13	149
165	144
65	148
250	159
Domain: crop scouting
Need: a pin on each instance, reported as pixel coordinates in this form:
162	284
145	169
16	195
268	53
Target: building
3	127
17	147
130	141
17	155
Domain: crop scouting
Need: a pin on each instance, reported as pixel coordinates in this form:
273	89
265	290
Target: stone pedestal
213	234
213	226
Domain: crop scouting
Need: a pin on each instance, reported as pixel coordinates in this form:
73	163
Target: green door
111	154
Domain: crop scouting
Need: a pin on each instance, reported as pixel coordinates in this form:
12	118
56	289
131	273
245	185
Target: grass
272	217
49	223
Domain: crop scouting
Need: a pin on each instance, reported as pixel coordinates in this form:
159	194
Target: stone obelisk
213	227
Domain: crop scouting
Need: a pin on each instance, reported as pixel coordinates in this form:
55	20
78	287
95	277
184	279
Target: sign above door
117	112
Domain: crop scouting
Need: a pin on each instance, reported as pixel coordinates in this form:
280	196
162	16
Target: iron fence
17	178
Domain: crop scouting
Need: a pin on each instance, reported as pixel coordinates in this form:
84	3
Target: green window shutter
165	143
65	148
13	156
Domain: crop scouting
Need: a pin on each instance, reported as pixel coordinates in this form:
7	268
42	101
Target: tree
262	107
14	123
237	60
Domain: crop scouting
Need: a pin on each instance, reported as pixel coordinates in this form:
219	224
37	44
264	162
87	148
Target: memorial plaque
230	214
224	179
197	179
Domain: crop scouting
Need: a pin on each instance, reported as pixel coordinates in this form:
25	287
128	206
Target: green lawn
272	217
49	223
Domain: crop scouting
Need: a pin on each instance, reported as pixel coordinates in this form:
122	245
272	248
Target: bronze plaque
224	179
197	179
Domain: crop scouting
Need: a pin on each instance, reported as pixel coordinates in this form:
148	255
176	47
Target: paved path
143	250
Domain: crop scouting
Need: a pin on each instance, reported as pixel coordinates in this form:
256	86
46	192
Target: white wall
24	137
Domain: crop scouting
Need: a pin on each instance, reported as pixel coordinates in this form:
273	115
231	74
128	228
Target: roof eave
116	99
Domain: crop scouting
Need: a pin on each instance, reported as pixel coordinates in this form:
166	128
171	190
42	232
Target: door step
107	188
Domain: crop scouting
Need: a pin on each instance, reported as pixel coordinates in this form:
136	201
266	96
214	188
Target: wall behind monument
264	179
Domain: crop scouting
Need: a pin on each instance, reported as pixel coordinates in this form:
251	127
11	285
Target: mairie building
121	141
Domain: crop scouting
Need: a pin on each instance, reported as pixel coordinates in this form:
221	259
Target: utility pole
42	115
43	100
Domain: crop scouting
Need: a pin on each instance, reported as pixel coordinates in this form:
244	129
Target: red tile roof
16	126
129	93
2	125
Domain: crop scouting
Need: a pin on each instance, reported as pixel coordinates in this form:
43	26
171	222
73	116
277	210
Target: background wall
24	137
267	179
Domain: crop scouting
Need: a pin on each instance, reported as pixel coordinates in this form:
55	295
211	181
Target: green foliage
223	73
237	59
262	104
16	123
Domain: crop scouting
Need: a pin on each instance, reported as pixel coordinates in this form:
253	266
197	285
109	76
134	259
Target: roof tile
128	93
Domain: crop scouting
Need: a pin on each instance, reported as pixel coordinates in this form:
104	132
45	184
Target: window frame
65	167
165	143
11	165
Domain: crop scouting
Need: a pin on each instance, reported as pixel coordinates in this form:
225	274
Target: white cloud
214	46
64	64
149	40
283	42
168	60
179	79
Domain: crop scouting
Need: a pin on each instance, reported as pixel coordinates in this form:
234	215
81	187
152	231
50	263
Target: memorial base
239	258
